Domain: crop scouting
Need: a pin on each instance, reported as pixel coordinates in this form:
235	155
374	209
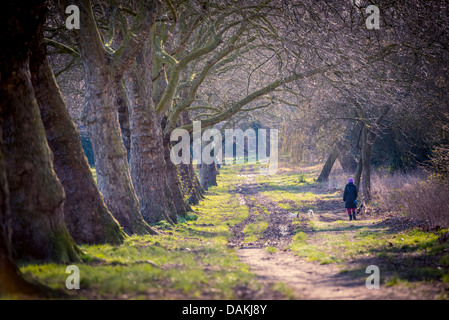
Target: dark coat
350	195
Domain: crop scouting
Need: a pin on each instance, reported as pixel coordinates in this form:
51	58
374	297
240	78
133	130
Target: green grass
188	260
253	231
271	249
301	247
94	173
404	257
348	239
192	260
416	254
294	191
284	289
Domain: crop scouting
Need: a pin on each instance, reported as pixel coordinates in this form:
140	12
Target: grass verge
187	261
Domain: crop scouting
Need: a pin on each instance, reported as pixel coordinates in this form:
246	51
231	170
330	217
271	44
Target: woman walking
350	197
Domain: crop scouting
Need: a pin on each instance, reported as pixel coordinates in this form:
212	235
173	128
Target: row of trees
140	69
143	63
387	94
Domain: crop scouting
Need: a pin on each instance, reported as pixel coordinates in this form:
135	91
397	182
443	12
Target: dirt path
306	279
279	231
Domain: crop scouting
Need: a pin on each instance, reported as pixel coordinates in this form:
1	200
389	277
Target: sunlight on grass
342	241
284	289
189	260
254	231
311	252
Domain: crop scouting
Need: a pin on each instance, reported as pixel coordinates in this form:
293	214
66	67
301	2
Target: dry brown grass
427	201
417	195
386	188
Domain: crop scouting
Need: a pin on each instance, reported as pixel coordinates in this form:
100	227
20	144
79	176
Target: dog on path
361	210
293	215
310	213
297	216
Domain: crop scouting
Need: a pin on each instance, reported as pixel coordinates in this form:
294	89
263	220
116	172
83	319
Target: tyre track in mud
279	231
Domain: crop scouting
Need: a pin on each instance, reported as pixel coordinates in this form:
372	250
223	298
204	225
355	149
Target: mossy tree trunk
204	176
36	195
103	74
212	174
87	217
358	172
173	182
366	169
189	178
368	137
147	163
190	183
172	179
11	281
123	117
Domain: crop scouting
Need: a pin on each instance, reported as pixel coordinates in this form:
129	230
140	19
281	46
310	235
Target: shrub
386	188
419	196
427	201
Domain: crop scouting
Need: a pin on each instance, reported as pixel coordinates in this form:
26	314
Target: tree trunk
187	184
147	163
188	176
196	181
87	217
368	138
366	171
103	74
190	183
36	195
358	172
113	176
11	281
325	172
347	162
363	172
204	176
212	174
173	181
123	117
366	152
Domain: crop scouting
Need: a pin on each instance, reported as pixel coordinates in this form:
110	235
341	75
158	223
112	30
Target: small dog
310	213
361	210
293	215
297	216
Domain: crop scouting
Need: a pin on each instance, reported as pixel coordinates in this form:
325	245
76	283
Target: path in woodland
306	279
